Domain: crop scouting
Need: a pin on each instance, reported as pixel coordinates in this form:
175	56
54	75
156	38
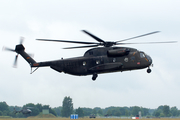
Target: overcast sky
110	20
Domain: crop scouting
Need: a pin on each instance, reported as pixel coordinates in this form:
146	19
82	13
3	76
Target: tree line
67	109
6	110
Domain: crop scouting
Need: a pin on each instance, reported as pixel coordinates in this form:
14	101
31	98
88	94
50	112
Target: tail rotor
14	50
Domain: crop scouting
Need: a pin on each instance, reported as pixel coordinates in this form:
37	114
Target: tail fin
20	50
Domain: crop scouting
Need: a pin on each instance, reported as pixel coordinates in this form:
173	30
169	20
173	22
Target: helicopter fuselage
97	60
101	60
23	111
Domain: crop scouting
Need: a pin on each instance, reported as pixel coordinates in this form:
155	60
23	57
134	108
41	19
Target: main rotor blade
93	36
79	42
147	42
81	47
138	36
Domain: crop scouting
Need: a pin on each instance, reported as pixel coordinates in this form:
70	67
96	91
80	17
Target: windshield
142	55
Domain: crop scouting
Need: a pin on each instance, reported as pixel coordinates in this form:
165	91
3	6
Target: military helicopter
25	110
97	60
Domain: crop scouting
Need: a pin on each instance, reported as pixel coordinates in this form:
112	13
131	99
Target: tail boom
20	50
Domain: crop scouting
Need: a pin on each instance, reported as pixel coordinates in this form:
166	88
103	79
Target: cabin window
114	59
142	55
84	63
133	58
97	61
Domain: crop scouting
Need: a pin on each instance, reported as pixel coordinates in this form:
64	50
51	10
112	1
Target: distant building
45	111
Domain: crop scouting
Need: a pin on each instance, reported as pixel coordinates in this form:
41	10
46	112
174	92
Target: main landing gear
95	75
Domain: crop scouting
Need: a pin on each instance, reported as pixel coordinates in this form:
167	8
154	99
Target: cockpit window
84	63
97	61
142	55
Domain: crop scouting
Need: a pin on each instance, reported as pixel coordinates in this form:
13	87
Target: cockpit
145	56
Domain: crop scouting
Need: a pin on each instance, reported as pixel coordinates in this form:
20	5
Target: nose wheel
148	70
95	75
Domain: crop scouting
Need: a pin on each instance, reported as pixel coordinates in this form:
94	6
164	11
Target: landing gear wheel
95	75
148	70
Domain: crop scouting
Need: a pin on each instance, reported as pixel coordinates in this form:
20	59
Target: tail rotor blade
15	61
21	40
8	49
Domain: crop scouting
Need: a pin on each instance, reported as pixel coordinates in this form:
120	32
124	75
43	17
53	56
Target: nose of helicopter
149	59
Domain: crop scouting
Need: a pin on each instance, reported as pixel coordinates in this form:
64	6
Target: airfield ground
85	119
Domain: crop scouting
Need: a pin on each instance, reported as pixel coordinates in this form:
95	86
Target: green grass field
83	119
